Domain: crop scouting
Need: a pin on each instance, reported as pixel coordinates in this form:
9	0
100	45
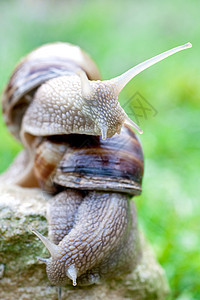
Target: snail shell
47	158
88	162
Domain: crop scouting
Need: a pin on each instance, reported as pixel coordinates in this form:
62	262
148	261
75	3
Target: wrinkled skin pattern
58	107
100	236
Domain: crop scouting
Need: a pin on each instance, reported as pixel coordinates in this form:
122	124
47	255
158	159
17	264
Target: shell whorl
86	162
115	164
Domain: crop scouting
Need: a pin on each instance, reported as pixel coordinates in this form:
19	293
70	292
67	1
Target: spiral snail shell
56	105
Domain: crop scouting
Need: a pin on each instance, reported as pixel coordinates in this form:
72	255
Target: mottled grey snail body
53	96
100	238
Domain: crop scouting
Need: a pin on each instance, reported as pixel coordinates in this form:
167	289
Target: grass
118	35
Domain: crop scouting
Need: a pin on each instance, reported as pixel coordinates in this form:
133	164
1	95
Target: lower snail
68	121
92	223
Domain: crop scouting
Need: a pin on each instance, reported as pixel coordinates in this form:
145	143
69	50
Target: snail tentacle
121	81
53	249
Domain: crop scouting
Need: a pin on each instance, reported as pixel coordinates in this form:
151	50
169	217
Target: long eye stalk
123	79
119	82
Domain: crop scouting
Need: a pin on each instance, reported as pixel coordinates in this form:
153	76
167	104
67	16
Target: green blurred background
118	35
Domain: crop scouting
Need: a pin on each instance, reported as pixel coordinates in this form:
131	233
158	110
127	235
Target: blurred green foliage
118	35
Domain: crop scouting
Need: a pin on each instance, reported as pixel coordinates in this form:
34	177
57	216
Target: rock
23	277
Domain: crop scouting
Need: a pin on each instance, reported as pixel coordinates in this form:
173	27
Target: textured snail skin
59	107
100	237
61	211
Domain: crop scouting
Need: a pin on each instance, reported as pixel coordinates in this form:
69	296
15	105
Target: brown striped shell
47	157
89	163
42	64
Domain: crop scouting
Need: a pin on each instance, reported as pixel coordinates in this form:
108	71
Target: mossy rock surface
23	277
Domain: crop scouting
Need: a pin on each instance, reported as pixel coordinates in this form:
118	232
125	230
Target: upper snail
71	103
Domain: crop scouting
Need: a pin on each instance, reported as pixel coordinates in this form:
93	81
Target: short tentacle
86	87
53	249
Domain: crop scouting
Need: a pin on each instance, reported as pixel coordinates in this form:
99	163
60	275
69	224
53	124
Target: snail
79	147
92	224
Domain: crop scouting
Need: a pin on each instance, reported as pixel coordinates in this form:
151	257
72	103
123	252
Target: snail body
100	242
68	121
